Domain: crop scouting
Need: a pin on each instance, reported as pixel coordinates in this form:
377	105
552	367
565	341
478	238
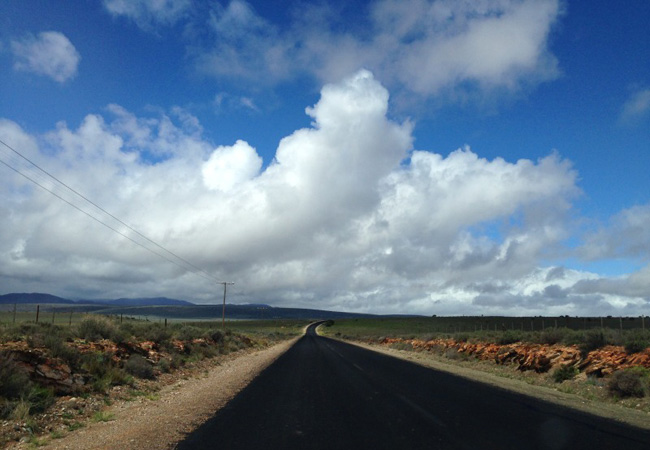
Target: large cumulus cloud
348	215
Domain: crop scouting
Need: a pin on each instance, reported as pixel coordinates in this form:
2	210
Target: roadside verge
610	411
178	409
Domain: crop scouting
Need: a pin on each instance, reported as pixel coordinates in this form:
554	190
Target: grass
76	426
103	416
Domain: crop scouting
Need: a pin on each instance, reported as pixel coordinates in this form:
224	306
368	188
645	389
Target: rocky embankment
55	373
537	357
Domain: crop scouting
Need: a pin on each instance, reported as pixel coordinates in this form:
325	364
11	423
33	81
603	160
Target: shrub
103	371
551	336
40	398
592	340
217	337
189	332
453	354
632	382
93	328
14	381
564	372
637	341
157	333
164	365
176	361
509	337
139	367
58	349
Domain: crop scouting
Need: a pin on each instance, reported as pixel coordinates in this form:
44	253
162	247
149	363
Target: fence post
38	310
53	314
14	313
70	321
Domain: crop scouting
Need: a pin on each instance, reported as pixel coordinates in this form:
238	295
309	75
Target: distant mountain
239	312
33	298
53	299
155	301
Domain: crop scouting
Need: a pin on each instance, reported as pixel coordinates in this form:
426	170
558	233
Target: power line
186	264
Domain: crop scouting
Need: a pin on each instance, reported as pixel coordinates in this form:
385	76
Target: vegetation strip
55	378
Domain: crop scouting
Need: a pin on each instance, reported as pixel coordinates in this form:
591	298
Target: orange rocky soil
538	357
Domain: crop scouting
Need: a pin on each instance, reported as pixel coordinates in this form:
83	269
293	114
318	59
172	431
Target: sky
384	156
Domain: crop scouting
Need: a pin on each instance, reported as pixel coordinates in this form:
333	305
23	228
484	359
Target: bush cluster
564	373
17	392
19	396
632	382
139	367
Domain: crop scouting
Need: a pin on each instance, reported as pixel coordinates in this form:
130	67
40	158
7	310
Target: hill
153	301
21	298
238	312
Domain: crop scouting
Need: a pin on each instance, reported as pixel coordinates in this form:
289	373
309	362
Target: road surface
326	394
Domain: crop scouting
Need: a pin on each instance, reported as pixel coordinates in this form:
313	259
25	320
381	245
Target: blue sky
496	153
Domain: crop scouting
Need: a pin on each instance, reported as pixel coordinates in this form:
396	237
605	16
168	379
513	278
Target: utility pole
223	310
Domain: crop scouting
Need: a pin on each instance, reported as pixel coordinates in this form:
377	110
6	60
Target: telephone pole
223	310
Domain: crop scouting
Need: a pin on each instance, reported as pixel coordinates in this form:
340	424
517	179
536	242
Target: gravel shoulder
618	413
177	410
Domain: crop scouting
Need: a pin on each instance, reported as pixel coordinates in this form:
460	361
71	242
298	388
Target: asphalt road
325	394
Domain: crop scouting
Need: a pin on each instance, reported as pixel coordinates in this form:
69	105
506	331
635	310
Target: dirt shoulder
611	411
177	409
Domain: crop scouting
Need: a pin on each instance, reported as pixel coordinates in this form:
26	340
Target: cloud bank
423	46
348	215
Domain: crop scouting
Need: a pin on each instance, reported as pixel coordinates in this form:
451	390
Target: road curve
326	394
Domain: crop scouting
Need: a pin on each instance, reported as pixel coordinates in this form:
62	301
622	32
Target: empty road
325	394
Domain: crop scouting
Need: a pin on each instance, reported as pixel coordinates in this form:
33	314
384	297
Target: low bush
103	371
14	381
509	337
217	336
632	382
552	336
402	346
139	367
637	341
93	328
189	332
592	340
40	398
164	365
564	373
59	349
157	333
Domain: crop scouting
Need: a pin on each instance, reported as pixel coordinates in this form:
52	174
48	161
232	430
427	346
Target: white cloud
342	218
147	13
50	53
637	106
230	166
493	43
423	46
627	235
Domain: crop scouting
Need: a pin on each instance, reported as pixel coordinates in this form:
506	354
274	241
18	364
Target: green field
413	326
